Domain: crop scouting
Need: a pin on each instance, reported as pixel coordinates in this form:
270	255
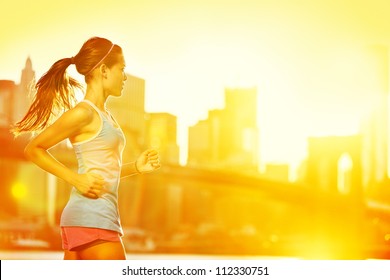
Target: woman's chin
117	93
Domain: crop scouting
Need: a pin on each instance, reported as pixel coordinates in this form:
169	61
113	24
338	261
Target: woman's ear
103	70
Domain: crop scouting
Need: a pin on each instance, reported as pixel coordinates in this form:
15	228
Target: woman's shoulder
81	113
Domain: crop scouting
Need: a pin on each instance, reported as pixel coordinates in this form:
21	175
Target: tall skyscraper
240	127
162	135
28	75
229	137
23	96
375	128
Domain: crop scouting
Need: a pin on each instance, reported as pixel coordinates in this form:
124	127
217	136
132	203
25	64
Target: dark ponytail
54	93
55	90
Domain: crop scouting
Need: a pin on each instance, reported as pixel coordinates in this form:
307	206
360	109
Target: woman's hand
90	185
148	161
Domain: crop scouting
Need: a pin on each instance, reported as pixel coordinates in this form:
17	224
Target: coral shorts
74	237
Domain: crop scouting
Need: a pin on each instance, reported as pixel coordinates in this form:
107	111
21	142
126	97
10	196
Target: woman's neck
97	96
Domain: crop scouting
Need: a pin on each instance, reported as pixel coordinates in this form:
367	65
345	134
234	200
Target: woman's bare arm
68	125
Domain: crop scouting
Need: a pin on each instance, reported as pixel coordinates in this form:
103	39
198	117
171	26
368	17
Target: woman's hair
55	90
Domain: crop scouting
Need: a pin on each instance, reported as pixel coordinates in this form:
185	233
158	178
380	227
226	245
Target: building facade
162	135
375	126
228	137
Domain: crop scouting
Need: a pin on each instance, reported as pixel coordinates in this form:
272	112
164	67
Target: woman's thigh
103	251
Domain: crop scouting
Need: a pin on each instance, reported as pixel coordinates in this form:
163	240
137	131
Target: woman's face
116	77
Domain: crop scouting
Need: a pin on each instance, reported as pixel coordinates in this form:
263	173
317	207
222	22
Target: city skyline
317	73
377	83
303	57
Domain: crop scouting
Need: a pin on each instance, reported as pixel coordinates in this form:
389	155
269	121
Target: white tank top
101	154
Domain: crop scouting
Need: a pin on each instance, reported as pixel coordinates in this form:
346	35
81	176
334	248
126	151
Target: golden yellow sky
303	56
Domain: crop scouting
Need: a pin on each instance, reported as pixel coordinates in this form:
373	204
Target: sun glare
19	191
